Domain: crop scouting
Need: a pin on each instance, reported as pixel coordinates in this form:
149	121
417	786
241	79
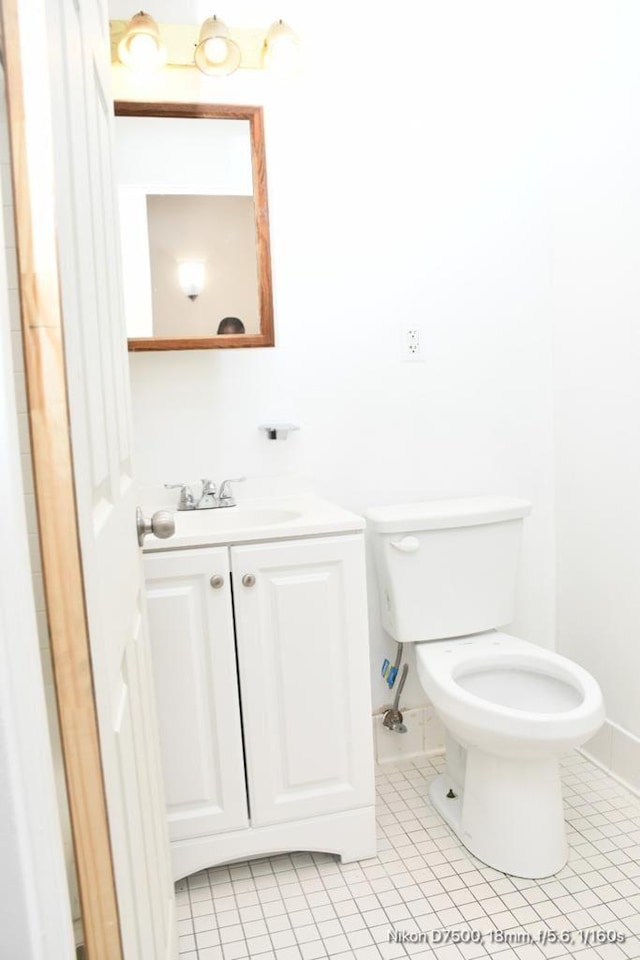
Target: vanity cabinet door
302	639
194	664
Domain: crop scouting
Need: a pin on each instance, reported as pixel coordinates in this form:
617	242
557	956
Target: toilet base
509	813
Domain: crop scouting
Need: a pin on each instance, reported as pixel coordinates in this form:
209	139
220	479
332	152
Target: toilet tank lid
440	514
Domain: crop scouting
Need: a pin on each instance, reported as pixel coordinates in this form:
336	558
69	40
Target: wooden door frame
35	914
31	136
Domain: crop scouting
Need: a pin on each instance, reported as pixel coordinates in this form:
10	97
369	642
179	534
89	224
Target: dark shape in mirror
230	325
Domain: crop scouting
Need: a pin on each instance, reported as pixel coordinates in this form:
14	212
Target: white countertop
254	520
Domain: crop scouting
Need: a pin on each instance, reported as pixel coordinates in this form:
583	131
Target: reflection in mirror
194	224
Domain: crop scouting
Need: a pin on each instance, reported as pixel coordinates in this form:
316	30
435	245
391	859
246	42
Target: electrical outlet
412	345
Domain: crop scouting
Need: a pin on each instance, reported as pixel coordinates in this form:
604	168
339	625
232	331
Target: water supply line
393	719
396	666
389	672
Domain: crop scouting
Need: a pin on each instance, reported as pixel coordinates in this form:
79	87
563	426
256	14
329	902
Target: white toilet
447	577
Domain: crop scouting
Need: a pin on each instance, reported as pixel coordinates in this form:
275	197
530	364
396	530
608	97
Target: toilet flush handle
406	545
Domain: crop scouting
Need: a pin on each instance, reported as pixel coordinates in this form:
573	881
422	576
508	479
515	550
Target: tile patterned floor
305	906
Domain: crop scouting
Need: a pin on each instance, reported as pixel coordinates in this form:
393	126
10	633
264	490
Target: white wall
406	186
596	281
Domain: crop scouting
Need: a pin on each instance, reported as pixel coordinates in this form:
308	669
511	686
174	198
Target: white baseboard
424	736
617	751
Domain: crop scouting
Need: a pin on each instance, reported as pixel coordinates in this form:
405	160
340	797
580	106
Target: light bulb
282	48
216	55
143	50
284	54
215	50
141	46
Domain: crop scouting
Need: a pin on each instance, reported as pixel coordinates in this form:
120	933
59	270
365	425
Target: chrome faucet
208	499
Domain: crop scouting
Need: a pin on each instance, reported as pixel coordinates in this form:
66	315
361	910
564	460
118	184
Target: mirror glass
194	226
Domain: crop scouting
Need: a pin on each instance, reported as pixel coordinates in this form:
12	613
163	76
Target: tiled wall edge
424	736
616	751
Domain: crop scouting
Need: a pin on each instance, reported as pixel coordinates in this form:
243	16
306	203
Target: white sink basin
231	518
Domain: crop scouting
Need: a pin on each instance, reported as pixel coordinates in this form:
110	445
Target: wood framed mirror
194	225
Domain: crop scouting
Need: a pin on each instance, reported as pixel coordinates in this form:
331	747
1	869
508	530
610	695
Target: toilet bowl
503	694
447	574
511	709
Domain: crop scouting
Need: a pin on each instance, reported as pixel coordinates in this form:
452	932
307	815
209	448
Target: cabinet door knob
248	580
217	581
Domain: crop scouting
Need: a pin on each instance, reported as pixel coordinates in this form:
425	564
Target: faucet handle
225	498
186	500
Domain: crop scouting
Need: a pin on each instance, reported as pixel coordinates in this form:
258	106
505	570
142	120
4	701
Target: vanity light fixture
281	48
141	47
216	54
191	278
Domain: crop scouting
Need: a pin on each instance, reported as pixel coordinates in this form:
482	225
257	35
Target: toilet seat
465	678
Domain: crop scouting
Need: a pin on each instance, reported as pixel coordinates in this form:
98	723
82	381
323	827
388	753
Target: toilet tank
447	568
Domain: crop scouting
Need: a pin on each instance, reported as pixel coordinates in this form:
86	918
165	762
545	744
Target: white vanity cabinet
260	654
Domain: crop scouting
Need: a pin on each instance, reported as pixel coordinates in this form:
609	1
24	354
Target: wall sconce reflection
191	275
141	47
